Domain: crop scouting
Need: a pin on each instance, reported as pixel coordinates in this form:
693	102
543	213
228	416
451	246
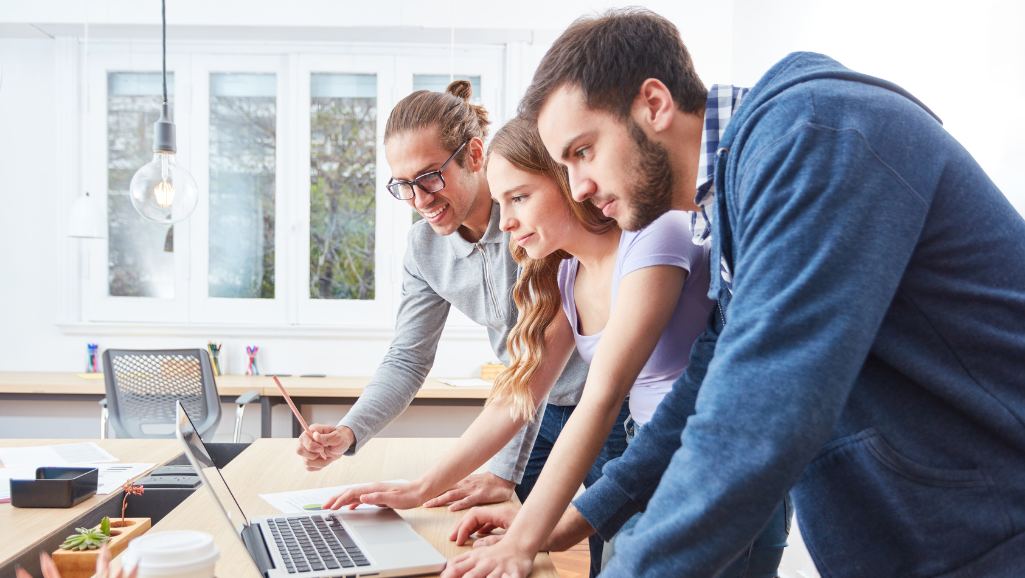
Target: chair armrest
248	397
103	402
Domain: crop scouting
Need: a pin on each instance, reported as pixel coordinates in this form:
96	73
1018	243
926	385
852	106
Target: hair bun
460	88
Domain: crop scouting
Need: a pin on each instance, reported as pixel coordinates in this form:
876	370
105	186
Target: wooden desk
52	385
270	465
56	386
26	529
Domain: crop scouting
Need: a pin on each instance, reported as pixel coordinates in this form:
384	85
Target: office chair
142	386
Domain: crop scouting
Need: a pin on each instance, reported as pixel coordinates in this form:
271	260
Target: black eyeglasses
431	182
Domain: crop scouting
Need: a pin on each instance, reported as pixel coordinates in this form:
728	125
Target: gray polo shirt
476	278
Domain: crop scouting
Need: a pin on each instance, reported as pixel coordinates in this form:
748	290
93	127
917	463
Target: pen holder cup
55	488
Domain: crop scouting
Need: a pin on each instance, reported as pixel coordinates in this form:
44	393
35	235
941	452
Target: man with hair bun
456	256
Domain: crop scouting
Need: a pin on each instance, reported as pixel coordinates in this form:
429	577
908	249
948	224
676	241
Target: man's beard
654	193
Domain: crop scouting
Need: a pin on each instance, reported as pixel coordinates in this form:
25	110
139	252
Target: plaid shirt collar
723	100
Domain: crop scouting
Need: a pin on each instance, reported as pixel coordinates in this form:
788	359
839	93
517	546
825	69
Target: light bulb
164	192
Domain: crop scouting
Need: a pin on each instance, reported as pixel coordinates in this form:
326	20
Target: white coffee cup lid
172	552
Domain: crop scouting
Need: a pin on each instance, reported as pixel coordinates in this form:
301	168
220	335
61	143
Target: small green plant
85	539
105	526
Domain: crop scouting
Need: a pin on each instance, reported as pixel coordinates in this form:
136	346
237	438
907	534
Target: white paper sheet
113	476
294	502
8	474
471	382
58	455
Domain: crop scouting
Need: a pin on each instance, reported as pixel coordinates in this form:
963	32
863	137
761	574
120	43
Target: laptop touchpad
387	533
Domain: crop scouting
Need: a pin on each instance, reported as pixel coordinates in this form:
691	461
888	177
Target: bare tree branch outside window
243	112
343	172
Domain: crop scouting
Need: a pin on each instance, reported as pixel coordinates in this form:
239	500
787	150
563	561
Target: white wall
32	190
965	62
36	178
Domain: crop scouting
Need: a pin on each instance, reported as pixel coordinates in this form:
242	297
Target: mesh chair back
142	386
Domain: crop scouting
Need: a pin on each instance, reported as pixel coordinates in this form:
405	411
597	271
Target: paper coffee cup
177	554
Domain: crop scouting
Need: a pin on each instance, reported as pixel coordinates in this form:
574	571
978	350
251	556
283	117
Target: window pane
439	82
243	109
140	259
343	174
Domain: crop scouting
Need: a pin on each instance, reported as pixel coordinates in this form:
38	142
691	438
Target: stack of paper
60	455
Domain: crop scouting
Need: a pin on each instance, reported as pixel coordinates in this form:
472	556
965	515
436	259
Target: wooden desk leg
297	428
265	417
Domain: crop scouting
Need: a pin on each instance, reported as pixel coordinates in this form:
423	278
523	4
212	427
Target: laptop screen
201	459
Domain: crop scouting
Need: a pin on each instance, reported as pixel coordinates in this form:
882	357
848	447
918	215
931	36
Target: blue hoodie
871	356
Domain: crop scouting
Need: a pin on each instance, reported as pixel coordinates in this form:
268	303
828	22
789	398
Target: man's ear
653	108
475	155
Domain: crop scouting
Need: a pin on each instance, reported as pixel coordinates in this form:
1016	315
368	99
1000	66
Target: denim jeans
554	420
759	560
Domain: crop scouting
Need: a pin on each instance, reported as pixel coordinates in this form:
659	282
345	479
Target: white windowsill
234	330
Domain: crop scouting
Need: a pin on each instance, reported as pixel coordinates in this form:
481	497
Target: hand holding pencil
321	446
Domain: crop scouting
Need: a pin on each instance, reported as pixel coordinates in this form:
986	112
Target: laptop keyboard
311	544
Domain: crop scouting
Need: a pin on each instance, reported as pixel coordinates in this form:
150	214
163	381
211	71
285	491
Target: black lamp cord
163	17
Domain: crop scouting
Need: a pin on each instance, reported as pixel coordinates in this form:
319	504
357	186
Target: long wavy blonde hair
537	291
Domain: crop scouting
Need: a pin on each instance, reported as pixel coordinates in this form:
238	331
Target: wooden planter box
82	563
488	372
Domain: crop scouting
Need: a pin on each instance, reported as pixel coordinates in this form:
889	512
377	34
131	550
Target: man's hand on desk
570	531
331	440
474	490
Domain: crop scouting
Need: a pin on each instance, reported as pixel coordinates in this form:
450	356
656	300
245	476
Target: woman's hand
400	496
474	490
482	521
504	559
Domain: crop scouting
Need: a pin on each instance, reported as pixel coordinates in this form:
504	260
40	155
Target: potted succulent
76	557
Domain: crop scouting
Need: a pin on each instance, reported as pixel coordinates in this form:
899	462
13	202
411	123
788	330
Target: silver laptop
344	543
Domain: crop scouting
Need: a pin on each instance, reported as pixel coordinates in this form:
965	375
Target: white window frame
377	312
100	305
291	308
242	311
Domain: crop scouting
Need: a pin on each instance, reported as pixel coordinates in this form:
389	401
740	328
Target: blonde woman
458	257
628	301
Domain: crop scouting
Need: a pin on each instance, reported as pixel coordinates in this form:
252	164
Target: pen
295	411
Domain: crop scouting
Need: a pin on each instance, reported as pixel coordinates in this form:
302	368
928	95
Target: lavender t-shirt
666	241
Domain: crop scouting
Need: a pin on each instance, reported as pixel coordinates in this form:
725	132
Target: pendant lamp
162	191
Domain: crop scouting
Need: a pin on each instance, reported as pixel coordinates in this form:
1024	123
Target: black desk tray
55	488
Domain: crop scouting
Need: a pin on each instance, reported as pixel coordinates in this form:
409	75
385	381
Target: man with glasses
429	182
456	256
